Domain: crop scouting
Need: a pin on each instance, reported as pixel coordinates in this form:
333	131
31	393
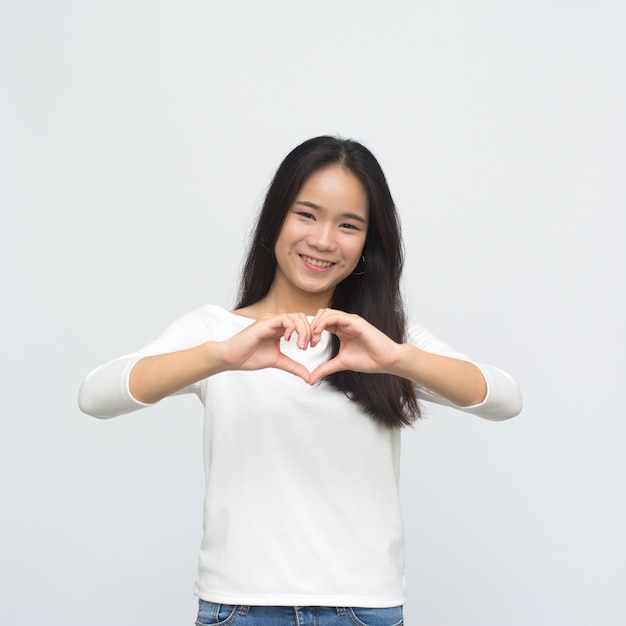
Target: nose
322	237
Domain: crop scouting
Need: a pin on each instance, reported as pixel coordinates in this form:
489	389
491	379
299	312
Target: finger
317	326
303	329
333	321
275	326
325	369
292	367
318	316
315	338
284	325
289	327
323	315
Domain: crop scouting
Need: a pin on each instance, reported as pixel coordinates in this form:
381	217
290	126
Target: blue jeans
210	614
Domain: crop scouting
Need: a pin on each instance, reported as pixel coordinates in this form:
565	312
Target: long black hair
372	291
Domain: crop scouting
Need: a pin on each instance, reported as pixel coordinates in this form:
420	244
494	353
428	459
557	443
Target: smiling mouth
316	262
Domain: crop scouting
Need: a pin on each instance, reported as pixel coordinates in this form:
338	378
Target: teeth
322	264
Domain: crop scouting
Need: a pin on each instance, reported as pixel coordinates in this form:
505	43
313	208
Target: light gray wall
136	140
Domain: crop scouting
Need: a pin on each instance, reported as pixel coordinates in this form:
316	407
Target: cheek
288	233
283	238
357	248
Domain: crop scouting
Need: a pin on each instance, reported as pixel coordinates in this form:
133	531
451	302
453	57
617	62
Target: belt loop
341	610
243	610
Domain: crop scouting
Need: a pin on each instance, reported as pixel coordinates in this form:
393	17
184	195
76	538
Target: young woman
306	385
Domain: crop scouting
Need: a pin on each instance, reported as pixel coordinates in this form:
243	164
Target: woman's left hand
362	347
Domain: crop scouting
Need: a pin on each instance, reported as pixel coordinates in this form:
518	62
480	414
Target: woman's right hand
258	346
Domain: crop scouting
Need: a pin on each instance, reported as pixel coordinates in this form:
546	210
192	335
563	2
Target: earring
360	273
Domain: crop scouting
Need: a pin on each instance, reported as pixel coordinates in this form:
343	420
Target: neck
278	301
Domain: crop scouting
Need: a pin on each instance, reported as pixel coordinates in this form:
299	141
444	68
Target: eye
305	215
349	226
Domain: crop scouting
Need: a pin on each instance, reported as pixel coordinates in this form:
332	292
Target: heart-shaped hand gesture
258	346
362	348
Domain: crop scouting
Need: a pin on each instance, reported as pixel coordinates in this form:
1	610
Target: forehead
334	187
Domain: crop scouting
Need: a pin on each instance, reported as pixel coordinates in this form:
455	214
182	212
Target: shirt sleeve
105	392
503	399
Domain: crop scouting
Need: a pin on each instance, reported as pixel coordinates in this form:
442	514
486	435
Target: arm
459	382
181	357
503	399
153	378
256	347
440	374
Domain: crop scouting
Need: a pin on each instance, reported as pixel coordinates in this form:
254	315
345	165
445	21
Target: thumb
292	367
330	367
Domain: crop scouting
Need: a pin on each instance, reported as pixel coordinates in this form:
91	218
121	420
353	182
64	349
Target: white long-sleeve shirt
302	503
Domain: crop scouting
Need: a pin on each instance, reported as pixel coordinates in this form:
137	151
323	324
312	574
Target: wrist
216	357
403	360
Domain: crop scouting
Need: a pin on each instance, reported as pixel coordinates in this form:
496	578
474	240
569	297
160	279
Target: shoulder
211	322
209	313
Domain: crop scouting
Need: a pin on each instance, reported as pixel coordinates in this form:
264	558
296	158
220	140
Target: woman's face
322	237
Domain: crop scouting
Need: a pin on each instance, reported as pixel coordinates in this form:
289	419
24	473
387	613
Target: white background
136	141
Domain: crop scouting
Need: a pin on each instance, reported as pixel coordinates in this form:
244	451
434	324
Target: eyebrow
312	205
